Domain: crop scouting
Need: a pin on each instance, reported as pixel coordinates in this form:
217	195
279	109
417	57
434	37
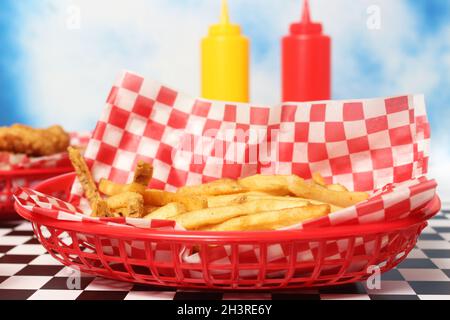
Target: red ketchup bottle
306	61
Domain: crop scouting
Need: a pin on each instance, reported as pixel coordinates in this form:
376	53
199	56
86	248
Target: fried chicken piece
33	142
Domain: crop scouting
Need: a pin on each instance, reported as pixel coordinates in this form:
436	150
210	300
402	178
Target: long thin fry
275	185
84	175
200	218
337	187
333	208
318	178
309	190
230	199
218	187
168	211
272	220
162	198
99	207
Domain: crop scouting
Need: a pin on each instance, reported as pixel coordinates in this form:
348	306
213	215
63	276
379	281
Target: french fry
99	208
333	208
143	173
309	190
317	178
162	198
337	187
110	188
168	211
128	203
275	185
272	220
149	209
84	175
153	197
135	187
258	202
209	216
218	187
232	199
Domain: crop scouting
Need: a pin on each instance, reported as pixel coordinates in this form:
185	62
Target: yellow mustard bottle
225	61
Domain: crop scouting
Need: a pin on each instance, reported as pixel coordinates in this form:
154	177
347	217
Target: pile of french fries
255	203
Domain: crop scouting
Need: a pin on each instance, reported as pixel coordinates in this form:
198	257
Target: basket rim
35	171
130	233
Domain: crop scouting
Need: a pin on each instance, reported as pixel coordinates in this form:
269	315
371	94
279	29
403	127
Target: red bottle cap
306	26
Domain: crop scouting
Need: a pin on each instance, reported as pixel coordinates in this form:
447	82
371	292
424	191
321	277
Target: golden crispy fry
218	187
250	197
232	199
100	209
170	210
311	190
129	204
272	220
143	173
135	187
227	200
153	197
200	218
85	178
149	209
123	199
110	188
275	185
336	187
253	203
126	212
317	178
33	142
162	198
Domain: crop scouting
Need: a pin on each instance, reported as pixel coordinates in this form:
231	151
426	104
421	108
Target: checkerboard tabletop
28	272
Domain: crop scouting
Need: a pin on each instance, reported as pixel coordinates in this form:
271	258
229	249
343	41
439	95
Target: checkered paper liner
10	161
377	145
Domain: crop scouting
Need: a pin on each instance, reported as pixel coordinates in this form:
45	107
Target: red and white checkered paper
376	145
10	161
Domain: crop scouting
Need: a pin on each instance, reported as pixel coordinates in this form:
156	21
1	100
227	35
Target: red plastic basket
11	179
66	241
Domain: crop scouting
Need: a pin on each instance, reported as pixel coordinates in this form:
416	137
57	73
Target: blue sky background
53	72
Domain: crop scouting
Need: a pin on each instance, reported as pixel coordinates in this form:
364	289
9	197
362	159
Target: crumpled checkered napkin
376	145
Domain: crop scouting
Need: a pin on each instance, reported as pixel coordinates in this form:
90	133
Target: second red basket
11	179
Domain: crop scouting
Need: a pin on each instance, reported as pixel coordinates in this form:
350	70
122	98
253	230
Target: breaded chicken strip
33	142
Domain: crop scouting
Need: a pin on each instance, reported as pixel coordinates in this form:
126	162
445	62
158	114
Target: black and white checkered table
28	272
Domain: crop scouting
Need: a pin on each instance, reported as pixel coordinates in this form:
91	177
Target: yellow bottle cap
224	27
